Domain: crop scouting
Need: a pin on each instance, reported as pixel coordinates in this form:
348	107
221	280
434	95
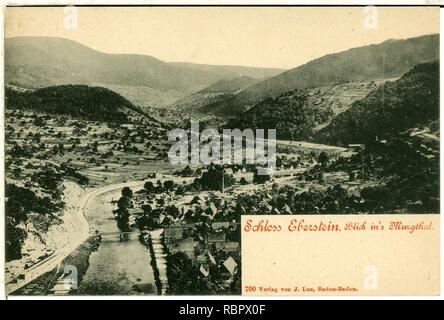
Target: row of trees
123	204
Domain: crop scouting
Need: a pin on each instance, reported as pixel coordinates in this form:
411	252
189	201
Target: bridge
120	236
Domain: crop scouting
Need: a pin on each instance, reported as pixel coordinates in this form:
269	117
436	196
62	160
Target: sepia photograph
136	138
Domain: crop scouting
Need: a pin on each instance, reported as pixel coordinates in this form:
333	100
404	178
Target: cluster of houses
207	246
199	227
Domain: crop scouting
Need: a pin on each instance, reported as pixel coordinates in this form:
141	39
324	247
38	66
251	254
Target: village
198	214
188	216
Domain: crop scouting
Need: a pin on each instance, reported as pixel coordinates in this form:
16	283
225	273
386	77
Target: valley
89	181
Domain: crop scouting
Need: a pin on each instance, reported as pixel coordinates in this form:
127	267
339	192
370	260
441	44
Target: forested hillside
395	106
92	103
290	114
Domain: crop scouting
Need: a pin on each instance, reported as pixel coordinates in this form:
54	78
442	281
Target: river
118	266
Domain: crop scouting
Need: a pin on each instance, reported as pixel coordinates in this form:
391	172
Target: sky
281	37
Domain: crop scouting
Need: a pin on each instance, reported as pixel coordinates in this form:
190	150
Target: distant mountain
92	103
411	101
35	62
228	72
229	85
389	59
144	96
219	91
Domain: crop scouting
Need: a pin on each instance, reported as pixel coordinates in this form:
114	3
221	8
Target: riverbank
153	241
78	260
122	264
43	251
69	237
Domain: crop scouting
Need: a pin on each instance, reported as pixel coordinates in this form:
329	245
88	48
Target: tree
169	185
186	172
95	146
55	150
351	176
212	178
182	278
17	172
61	148
123	203
15	237
323	158
122	213
127	192
38	121
149	186
243	181
48	179
260	178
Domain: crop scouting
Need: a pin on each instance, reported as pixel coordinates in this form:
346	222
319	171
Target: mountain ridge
388	59
217	91
233	70
35	62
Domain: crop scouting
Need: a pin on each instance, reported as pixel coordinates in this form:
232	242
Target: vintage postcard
202	150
